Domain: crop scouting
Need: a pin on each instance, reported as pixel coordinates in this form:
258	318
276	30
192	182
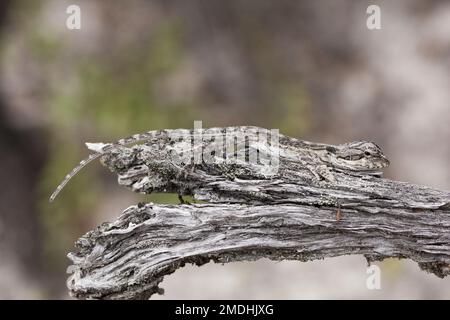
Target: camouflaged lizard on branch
167	161
312	201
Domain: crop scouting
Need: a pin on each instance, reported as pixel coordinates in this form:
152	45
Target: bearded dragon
150	167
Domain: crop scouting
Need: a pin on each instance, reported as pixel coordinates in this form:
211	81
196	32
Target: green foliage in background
107	95
105	100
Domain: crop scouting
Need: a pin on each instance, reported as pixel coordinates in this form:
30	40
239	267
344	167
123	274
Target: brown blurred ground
310	68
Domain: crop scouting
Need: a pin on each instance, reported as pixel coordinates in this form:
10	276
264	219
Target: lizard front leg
324	172
321	172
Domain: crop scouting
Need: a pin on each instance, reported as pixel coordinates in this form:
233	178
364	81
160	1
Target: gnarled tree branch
290	215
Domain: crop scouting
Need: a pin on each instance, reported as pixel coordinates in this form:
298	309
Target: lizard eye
367	153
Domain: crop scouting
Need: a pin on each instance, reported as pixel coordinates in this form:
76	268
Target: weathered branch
290	215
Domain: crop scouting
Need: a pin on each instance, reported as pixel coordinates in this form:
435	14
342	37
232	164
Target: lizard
150	166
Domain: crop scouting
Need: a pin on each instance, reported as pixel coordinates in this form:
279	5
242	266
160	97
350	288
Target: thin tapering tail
100	149
80	166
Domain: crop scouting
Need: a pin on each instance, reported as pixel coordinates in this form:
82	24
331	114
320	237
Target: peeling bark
290	215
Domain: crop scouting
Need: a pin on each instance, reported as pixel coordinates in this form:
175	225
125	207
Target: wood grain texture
288	215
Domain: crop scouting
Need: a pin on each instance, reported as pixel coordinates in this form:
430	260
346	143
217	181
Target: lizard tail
72	173
100	149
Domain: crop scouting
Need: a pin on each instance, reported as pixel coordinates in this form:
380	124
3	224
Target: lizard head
360	156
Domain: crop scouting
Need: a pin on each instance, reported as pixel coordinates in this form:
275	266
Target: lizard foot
182	201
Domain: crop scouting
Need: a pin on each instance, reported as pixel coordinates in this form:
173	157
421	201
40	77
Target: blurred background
310	68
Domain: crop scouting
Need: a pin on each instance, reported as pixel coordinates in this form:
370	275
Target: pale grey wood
292	214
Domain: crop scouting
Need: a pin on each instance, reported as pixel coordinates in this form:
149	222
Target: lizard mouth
370	166
364	172
372	172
